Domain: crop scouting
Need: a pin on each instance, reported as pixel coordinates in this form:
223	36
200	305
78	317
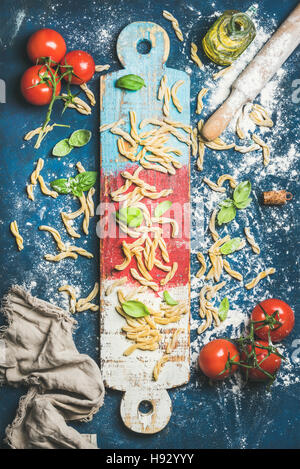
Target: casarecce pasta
175	24
174	97
251	240
15	231
194	55
259	277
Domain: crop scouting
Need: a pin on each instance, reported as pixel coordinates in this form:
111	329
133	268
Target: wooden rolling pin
255	76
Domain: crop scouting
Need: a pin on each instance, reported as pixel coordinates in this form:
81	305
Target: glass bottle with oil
229	36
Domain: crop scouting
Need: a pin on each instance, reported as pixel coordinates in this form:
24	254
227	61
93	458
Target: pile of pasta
144	247
145	332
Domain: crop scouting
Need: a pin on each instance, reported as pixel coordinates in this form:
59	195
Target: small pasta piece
72	294
90	95
213	186
161	90
81	251
90	297
173	343
170	275
86	220
105	127
222	72
90	202
231	272
203	268
45	189
251	241
68	225
15	231
259	277
194	135
158	366
37	131
227	177
101	68
194	56
201	147
265	149
61	246
175	24
29	189
200	96
174	95
212	225
62	255
115	284
133	131
77	103
86	307
79	167
35	174
143	281
245	149
166	105
260	116
124	135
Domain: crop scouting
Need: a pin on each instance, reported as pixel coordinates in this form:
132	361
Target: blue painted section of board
116	103
204	416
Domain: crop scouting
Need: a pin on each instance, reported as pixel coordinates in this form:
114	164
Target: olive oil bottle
229	36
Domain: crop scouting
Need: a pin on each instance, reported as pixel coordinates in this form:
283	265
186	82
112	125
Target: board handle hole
145	407
144	46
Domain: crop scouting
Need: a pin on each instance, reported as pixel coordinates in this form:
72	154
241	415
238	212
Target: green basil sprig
79	138
239	201
130	216
135	309
161	208
223	309
168	299
130	82
231	246
77	185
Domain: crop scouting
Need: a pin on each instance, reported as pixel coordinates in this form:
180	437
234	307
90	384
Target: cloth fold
37	349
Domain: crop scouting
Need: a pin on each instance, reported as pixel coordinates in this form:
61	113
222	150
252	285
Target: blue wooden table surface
227	415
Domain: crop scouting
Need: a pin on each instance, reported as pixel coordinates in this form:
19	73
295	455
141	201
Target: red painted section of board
178	248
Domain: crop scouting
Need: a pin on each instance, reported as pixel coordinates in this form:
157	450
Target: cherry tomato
271	364
46	43
213	358
83	66
42	93
266	311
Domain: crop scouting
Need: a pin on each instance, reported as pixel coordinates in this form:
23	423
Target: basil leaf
86	180
131	216
231	246
135	309
62	186
161	208
226	203
168	299
223	309
130	82
77	191
62	148
226	214
242	192
244	204
80	137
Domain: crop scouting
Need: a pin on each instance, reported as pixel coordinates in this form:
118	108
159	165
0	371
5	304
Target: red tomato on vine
214	358
269	364
46	43
35	87
278	317
83	67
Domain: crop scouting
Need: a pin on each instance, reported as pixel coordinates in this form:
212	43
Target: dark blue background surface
203	416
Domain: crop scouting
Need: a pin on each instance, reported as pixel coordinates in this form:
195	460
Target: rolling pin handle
220	119
155	419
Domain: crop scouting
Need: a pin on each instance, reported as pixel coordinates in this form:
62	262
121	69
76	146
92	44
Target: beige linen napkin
37	349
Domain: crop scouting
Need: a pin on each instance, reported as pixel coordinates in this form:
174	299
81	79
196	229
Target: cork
276	197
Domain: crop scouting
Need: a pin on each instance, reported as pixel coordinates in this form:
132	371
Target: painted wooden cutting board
133	374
